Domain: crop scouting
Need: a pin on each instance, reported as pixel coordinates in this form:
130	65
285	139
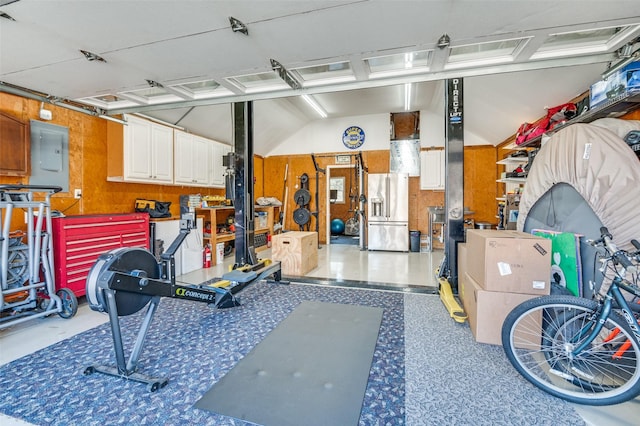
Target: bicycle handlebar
618	256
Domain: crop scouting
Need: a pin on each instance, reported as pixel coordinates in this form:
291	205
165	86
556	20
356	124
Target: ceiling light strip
157	120
115	120
315	106
407	96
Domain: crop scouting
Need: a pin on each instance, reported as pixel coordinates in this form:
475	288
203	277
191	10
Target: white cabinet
148	152
191	159
432	170
217	171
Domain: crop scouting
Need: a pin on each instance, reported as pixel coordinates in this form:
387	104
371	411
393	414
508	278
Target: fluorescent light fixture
116	120
407	96
313	104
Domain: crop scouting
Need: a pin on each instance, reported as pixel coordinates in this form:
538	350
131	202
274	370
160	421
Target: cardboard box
296	251
261	220
509	261
462	259
486	311
626	79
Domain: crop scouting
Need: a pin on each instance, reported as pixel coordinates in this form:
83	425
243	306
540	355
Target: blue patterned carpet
427	369
194	346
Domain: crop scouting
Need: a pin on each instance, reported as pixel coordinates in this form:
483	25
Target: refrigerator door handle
387	201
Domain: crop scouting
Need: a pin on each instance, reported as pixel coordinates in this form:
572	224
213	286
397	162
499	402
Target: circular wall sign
353	137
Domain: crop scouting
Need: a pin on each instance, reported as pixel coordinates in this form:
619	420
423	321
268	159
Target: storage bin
414	240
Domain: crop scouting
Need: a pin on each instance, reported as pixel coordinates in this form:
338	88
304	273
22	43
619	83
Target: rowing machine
125	280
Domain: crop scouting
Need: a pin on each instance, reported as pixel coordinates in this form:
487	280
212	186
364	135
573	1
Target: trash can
414	238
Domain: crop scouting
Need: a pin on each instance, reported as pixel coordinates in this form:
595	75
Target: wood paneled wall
480	185
88	172
88	167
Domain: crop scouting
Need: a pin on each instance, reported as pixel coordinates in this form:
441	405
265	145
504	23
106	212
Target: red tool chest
79	240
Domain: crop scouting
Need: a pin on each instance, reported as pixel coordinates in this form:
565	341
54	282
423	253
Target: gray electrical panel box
49	155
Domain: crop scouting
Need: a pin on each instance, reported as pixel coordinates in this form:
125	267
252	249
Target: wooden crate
296	251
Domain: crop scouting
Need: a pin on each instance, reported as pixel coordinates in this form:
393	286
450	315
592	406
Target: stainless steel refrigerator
388	221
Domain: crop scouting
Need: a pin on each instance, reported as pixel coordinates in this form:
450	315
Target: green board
565	259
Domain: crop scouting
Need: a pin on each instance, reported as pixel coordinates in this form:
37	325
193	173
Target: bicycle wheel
540	335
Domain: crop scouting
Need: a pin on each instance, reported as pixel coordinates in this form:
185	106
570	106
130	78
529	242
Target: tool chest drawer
78	241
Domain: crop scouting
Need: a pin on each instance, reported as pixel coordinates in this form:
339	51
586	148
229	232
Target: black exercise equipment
125	280
302	198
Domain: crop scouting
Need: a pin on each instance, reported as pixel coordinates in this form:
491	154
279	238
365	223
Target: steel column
244	208
454	187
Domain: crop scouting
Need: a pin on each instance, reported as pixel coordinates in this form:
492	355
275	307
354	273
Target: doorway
342	226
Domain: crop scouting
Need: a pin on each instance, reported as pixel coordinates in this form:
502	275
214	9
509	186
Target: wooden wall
88	172
480	185
88	167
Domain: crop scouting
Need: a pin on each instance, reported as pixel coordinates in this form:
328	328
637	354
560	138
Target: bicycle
581	350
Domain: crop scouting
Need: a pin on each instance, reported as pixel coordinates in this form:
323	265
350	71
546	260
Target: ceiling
516	57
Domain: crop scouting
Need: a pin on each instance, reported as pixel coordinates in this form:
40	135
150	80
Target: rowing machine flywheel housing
126	260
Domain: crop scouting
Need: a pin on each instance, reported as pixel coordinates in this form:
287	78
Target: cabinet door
162	153
217	170
191	159
182	160
14	149
201	160
137	150
432	170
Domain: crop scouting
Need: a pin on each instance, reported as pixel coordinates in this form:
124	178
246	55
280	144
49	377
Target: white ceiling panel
187	41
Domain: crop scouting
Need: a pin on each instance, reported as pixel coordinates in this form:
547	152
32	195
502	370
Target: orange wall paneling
88	149
480	186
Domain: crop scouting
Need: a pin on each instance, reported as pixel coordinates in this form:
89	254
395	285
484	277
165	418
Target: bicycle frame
606	310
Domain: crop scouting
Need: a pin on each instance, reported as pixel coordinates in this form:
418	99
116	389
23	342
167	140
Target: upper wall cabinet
14	149
141	152
217	171
191	159
432	170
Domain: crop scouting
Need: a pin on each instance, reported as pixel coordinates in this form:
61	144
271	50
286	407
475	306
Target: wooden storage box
296	251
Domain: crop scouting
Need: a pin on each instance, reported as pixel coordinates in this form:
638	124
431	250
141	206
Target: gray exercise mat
312	369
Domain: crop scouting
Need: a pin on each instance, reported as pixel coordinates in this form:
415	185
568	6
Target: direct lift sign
455	101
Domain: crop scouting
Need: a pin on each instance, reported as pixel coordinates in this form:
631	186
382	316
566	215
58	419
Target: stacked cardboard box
498	270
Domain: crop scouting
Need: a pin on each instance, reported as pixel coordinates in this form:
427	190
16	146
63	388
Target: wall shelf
218	215
615	107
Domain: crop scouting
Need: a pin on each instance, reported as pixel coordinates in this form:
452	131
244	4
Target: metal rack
26	270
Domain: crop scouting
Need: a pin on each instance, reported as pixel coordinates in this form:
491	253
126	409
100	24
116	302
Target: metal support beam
454	187
243	203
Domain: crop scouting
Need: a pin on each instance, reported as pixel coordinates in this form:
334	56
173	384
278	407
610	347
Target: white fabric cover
600	166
